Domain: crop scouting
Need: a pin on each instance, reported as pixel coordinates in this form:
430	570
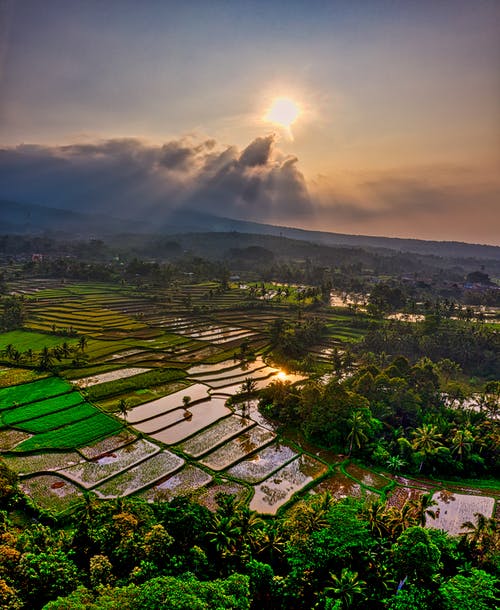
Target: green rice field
29	392
134	434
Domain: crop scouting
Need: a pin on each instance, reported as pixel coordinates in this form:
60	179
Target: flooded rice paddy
340	486
238	448
142	475
203	414
182	483
263	463
217	434
280	487
208	496
108	444
42	462
91	473
51	492
167	403
85	382
453	510
368	478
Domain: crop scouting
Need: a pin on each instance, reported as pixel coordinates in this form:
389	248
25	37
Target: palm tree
422	508
398	520
225	535
45	361
395	463
345	587
248	387
123	407
250	525
377	518
462	442
426	440
483	536
9	351
82	343
65	350
357	435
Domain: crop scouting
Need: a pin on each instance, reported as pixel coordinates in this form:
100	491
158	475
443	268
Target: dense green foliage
474	346
396	416
321	554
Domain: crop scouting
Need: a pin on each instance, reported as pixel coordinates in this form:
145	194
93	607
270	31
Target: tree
345	587
82	343
395	463
448	369
426	441
45	360
13	312
483	536
475	591
462	442
123	408
358	426
186	400
47	574
416	556
422	508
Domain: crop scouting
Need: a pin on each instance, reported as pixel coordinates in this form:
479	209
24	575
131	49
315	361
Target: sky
138	108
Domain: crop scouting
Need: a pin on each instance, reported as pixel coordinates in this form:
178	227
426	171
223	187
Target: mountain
27	218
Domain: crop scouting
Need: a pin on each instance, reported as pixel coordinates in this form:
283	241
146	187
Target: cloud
444	203
128	177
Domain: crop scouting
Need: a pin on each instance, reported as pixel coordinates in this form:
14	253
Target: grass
143	380
39	408
137	397
23	340
29	392
52	421
10	376
73	435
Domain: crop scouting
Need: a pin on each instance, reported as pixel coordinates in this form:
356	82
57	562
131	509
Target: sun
283	112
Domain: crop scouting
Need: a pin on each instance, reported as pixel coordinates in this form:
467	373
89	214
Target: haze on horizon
392	124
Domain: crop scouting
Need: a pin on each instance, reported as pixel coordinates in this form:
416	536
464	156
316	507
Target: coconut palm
376	516
357	435
45	360
483	535
65	349
345	587
9	351
395	463
426	440
421	508
398	520
82	342
123	408
462	442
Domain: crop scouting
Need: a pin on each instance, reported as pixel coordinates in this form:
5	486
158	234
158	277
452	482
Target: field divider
220	443
26	419
149	417
91	486
146	485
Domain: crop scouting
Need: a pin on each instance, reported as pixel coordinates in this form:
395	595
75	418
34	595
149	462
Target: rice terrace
154	400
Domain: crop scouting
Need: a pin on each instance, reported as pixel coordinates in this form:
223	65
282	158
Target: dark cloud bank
129	178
